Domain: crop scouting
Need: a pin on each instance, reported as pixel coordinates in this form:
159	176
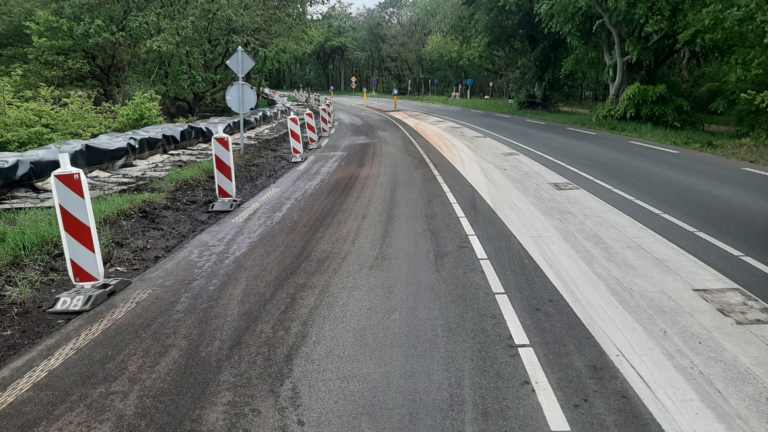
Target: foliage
141	111
652	104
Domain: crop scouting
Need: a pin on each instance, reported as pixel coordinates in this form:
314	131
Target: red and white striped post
330	111
325	128
333	114
309	123
330	114
294	132
224	166
76	223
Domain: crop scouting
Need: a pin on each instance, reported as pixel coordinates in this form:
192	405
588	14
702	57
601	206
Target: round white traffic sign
354	85
234	100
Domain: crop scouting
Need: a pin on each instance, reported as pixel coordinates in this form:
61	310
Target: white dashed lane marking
683	225
756	171
534	121
582	131
654	147
544	393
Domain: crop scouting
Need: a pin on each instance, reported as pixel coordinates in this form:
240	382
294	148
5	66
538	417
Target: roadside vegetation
29	238
747	147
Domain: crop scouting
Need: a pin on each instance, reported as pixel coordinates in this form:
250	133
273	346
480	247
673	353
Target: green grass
192	173
750	149
32	235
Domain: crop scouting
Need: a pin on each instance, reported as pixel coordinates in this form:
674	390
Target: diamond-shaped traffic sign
247	64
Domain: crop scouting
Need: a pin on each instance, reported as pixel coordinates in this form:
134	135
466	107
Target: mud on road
141	239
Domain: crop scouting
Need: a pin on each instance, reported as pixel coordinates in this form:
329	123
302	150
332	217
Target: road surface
381	286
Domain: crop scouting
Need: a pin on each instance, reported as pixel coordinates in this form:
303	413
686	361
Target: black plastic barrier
114	149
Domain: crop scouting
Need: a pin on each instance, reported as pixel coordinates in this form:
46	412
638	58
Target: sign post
365	94
354	84
331	92
374	81
469	86
436	81
241	63
394	93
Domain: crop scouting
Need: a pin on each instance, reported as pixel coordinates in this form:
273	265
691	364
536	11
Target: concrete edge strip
63	353
721	245
544	393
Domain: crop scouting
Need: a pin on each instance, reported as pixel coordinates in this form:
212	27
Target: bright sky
359	3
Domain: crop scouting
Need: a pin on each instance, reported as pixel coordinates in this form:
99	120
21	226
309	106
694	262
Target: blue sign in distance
373	81
470	81
394	92
435	80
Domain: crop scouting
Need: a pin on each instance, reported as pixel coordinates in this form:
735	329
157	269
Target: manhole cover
737	304
511	154
564	186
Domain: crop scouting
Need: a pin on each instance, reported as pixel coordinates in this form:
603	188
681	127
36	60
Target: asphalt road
714	195
351	300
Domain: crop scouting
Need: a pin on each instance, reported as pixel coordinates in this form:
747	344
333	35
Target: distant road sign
394	92
234	62
470	81
365	90
435	80
373	81
331	87
233	97
354	79
354	85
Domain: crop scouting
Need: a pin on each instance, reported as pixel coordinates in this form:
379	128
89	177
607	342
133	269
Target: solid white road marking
756	171
654	147
241	217
503	115
716	242
534	121
467	227
493	279
582	131
515	328
479	251
67	350
547	398
625	195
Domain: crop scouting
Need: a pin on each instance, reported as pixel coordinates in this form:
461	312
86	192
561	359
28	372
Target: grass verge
752	149
28	237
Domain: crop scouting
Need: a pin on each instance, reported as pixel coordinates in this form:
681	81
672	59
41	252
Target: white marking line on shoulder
544	393
756	171
582	131
323	142
255	206
458	210
755	263
304	165
476	111
625	195
678	222
547	398
67	350
493	279
719	244
534	121
515	328
333	131
467	227
648	206
451	198
503	115
479	251
654	147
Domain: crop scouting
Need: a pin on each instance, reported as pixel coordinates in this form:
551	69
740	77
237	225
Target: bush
652	104
143	110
